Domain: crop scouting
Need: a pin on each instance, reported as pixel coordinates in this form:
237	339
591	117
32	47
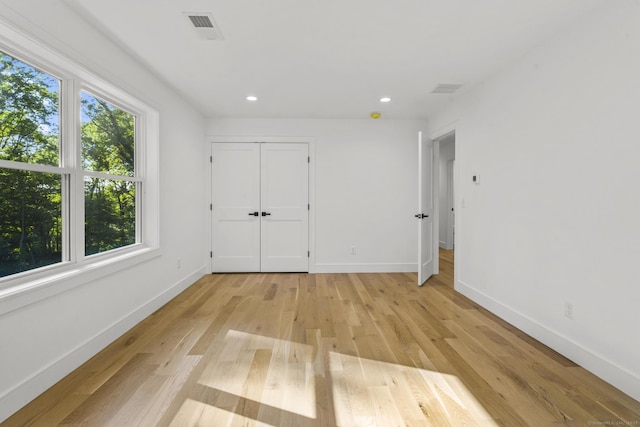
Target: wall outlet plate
568	310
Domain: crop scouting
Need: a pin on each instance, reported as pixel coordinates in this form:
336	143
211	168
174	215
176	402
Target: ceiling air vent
446	88
204	25
201	21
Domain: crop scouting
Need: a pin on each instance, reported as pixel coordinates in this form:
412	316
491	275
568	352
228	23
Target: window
78	162
108	162
31	196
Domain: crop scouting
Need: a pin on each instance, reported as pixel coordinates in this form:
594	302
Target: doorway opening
445	166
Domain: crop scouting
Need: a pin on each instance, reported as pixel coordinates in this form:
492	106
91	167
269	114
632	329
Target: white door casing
260	211
425	209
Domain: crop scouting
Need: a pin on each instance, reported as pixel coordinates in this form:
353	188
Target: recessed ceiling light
252	98
385	99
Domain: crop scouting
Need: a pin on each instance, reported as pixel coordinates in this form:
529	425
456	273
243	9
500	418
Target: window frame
76	268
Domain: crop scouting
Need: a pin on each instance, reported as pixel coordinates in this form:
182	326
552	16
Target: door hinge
308	159
308	206
210	159
308	254
211	206
211	254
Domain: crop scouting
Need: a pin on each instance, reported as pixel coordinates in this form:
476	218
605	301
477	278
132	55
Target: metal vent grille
446	88
204	25
200	21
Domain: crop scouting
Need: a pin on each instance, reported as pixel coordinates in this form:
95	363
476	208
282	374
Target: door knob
420	216
253	214
266	213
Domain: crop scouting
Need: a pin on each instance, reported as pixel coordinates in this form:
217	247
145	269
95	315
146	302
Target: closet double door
260	207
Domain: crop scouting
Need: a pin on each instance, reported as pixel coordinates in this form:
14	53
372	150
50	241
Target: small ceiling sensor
252	98
385	99
446	88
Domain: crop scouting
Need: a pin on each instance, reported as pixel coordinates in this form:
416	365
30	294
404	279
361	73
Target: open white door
235	185
285	207
425	209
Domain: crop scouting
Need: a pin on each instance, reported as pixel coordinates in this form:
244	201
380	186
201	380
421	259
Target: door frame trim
310	141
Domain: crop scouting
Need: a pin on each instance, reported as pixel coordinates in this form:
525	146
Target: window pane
107	137
29	113
110	214
30	220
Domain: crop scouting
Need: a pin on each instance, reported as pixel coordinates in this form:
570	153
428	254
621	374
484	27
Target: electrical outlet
354	250
568	310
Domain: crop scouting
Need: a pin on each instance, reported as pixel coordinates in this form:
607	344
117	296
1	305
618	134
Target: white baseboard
32	387
446	245
366	268
600	366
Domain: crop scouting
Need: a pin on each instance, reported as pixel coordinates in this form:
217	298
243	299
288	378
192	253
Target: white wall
447	154
556	216
42	342
365	188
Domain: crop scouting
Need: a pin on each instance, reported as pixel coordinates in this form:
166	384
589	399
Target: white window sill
65	277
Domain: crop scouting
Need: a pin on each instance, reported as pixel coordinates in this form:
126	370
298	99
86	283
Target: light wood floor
323	350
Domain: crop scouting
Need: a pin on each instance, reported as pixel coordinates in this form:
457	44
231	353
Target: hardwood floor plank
156	397
402	394
489	398
214	325
104	404
323	350
516	391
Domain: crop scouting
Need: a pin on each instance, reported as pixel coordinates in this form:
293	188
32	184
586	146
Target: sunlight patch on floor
274	372
279	375
194	413
372	393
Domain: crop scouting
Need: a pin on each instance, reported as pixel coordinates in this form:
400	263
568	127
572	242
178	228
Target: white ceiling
328	58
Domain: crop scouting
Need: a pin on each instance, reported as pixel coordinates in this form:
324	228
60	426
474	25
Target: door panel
235	186
425	209
285	198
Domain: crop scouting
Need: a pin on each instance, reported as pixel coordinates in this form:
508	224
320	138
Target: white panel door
285	209
235	186
425	209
